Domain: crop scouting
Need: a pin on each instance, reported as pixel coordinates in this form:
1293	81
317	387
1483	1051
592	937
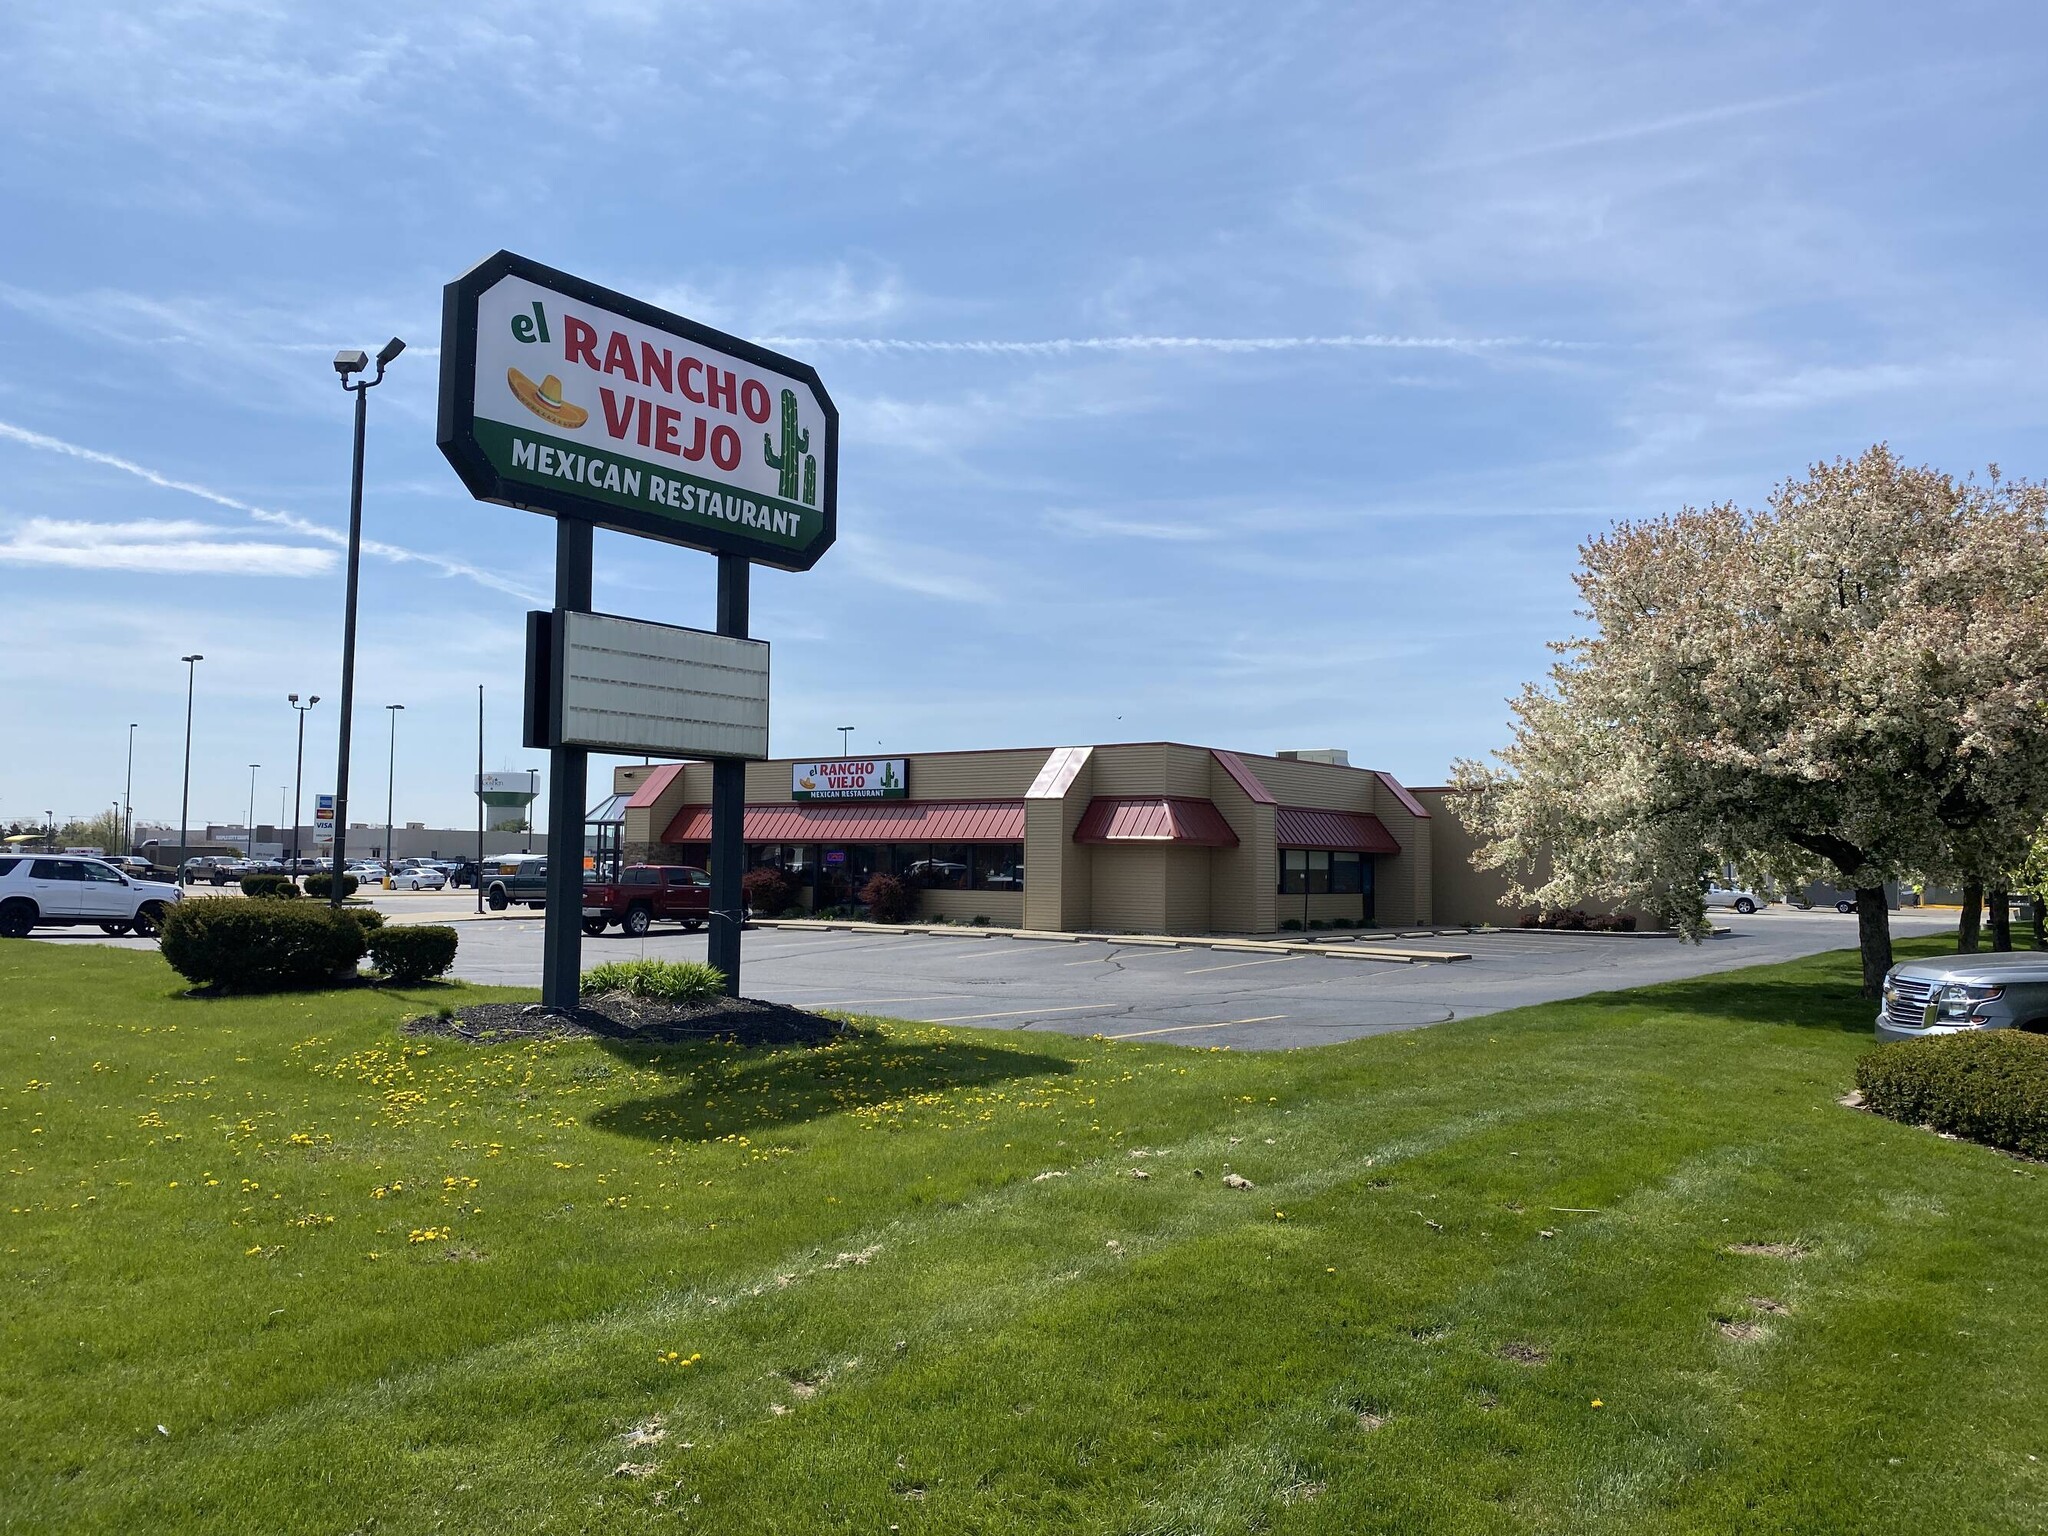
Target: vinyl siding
1128	890
1005	909
1184	895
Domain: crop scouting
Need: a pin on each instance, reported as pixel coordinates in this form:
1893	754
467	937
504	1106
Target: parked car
462	872
130	864
421	877
1743	901
645	894
1958	992
61	892
516	880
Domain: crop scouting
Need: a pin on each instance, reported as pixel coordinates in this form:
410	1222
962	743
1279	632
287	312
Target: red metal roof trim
653	785
1154	819
1409	803
1343	831
892	821
1247	781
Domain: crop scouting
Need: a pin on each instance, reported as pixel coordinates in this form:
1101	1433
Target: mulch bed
620	1016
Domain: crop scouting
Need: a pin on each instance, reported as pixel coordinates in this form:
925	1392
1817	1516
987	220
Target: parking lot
1190	995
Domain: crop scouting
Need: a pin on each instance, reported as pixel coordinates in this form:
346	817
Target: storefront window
1315	872
999	866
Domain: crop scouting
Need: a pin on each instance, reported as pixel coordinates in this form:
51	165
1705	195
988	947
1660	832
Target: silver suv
1959	992
55	890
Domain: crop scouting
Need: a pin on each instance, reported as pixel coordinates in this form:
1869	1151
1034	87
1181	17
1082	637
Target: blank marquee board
608	684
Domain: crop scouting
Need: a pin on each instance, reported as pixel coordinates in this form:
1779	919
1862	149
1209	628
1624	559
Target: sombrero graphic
545	399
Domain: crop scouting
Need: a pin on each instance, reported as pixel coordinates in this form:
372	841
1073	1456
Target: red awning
1341	831
888	821
1154	819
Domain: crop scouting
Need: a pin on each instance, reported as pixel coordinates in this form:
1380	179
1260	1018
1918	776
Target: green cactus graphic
810	480
795	444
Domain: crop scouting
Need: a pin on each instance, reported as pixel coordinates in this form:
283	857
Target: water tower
508	798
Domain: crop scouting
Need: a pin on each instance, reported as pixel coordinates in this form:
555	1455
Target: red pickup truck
645	894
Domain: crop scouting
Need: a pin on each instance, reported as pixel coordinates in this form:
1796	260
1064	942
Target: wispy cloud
1064	345
170	545
1091	524
396	553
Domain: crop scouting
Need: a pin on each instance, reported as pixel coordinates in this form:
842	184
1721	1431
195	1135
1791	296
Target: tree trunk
1973	916
2001	922
1873	938
2040	922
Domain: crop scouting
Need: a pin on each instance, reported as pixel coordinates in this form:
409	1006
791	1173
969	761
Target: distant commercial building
1154	837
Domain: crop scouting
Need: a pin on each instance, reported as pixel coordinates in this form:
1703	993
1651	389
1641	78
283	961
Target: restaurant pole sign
560	396
603	411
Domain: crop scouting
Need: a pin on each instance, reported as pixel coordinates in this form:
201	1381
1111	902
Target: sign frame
549	699
893	782
455	430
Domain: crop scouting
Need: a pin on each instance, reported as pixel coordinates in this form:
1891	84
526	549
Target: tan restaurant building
1148	837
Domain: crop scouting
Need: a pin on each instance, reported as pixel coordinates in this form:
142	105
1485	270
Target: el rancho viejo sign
884	778
560	396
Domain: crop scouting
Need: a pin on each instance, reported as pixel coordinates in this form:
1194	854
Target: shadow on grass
723	1092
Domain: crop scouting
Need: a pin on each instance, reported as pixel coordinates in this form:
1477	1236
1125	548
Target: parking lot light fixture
299	776
249	838
185	801
390	779
351	366
128	798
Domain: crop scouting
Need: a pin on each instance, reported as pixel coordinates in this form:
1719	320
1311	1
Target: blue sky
1240	374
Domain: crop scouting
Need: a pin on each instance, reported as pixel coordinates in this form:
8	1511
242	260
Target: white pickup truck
65	890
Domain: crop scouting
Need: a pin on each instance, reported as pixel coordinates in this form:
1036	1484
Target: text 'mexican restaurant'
1150	837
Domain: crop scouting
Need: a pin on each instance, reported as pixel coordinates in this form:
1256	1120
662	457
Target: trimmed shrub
259	946
278	886
1989	1086
767	890
889	899
369	919
1290	925
412	953
666	981
323	885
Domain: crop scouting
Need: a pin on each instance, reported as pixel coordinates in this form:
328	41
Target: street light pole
250	839
845	731
127	798
350	365
390	780
185	802
299	776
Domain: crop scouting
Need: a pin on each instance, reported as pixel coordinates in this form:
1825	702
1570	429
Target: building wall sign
563	397
886	778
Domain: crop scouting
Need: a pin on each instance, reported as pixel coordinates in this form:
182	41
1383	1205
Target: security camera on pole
562	397
350	366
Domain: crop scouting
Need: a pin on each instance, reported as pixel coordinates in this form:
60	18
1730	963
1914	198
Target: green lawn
1487	1279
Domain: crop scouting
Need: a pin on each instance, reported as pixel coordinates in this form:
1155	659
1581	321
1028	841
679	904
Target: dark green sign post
565	398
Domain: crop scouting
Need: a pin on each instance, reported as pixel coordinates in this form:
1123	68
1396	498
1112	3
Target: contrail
397	554
1058	345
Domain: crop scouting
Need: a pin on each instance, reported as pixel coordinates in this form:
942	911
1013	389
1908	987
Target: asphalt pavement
1189	995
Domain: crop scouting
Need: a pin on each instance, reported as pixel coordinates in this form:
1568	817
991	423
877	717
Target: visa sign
886	778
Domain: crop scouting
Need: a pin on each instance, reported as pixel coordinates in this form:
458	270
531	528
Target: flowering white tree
1851	681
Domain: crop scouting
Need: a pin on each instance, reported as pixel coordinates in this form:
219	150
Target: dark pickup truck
645	894
516	880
